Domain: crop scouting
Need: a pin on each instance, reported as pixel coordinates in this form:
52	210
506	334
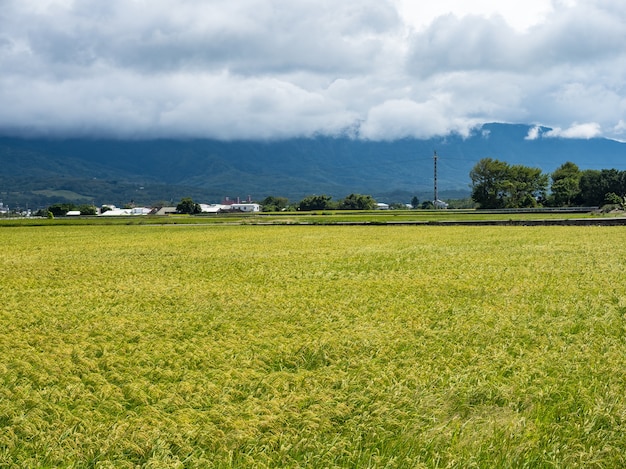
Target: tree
87	209
525	186
316	202
596	184
591	190
495	184
415	202
60	209
565	187
358	202
187	205
274	204
489	180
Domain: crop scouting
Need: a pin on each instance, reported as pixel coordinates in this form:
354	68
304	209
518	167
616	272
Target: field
312	346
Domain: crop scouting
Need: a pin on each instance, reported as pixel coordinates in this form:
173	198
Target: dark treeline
496	184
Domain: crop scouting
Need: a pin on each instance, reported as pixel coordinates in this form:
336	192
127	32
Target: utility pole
436	193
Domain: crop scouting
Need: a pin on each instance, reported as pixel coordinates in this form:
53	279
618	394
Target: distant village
227	205
110	210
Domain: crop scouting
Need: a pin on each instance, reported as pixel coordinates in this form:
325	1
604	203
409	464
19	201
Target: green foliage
357	202
274	204
415	202
61	209
87	209
488	183
316	202
188	206
565	187
496	184
525	186
613	198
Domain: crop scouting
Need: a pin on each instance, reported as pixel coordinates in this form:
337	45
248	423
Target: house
116	212
165	211
245	207
214	208
382	206
125	212
73	213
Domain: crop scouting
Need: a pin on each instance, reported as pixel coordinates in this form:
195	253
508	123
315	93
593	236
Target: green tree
316	202
358	202
596	184
489	183
565	187
613	199
61	209
187	205
415	202
525	186
591	190
496	184
87	209
274	204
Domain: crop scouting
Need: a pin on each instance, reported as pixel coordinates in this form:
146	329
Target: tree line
496	184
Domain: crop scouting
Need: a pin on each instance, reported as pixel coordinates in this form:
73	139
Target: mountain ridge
35	170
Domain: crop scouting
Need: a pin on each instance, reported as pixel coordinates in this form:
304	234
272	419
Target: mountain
38	171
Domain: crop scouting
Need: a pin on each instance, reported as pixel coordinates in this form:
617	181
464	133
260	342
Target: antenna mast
436	193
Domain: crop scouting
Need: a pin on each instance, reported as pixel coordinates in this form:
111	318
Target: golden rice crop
317	346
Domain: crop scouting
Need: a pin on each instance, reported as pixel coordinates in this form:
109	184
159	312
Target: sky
273	69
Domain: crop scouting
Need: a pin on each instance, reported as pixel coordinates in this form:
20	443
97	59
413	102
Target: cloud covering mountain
271	69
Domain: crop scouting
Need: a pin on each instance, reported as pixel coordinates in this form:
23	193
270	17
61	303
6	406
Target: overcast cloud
374	69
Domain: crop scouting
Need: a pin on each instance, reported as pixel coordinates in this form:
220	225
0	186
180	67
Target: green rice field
217	346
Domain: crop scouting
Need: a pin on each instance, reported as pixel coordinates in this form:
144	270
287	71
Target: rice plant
312	346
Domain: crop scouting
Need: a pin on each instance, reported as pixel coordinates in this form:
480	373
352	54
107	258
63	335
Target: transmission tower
436	192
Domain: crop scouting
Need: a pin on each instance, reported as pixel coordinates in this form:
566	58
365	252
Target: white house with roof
246	207
214	208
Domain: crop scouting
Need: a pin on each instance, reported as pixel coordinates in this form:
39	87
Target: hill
38	171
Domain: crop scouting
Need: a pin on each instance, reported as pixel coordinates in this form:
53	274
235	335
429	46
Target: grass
315	217
312	346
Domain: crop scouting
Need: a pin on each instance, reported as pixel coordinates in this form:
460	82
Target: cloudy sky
374	69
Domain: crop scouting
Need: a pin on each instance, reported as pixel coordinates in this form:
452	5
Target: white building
125	212
246	207
214	208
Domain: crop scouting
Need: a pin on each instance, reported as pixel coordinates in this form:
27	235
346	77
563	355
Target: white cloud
519	14
402	118
380	69
534	133
584	131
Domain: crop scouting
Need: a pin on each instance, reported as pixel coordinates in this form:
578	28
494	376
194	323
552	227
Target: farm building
246	207
121	212
214	208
